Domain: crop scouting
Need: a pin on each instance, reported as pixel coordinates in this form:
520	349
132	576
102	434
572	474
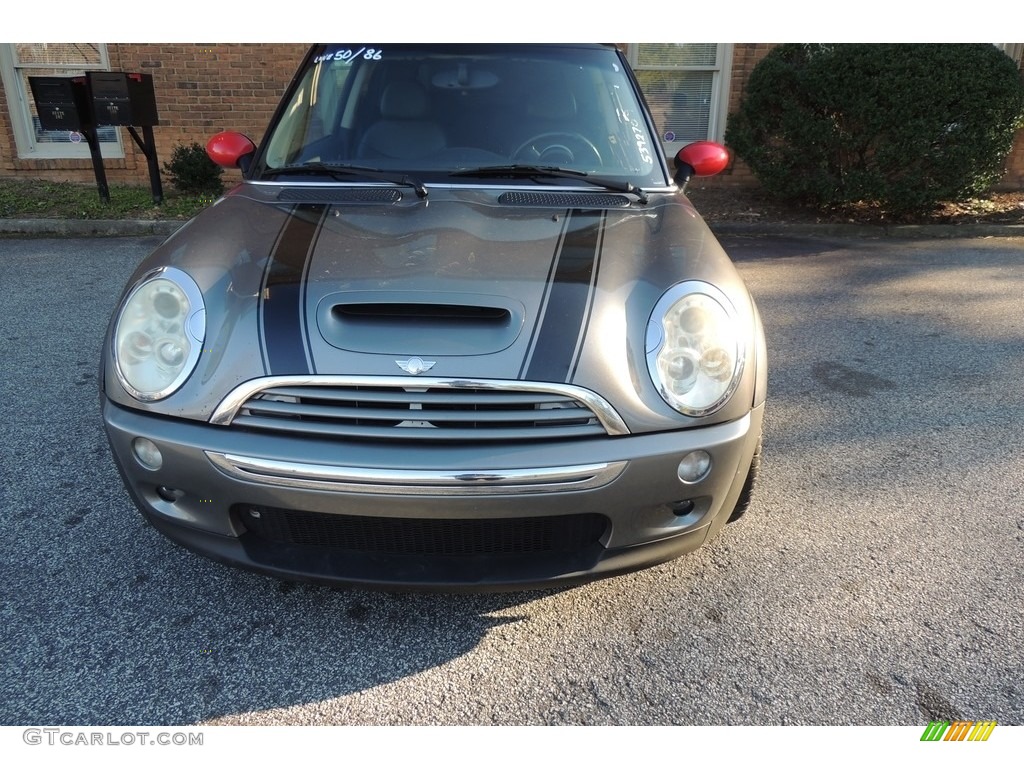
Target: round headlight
695	350
159	334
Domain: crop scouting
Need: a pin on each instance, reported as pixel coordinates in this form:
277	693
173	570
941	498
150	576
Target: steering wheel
557	148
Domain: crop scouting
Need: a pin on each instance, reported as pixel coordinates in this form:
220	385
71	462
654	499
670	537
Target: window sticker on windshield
348	55
642	145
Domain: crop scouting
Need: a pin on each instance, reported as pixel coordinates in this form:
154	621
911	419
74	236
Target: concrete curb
166	227
860	231
89	227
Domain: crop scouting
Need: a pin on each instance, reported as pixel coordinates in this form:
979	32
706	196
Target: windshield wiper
341	170
519	171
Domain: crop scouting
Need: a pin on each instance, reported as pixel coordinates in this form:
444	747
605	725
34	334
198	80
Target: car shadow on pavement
103	620
148	633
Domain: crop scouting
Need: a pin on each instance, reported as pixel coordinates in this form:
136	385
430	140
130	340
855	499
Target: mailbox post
128	99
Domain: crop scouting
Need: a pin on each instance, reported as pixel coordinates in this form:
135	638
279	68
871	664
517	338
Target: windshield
439	110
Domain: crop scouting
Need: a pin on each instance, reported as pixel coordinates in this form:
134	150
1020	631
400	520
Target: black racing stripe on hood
282	310
546	296
567	308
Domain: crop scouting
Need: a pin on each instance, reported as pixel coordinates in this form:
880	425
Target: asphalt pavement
878	578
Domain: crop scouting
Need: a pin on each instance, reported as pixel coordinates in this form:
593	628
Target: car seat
404	131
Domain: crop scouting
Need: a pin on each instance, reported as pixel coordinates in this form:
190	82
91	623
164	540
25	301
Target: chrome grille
383	409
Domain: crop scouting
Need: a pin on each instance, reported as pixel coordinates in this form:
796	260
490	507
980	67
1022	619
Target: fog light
695	466
146	453
167	494
682	508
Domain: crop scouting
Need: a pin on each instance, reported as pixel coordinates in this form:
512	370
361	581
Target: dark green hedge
192	172
902	125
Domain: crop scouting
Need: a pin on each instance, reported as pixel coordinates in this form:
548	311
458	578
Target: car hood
470	283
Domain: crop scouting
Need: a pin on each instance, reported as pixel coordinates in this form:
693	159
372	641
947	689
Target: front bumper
339	508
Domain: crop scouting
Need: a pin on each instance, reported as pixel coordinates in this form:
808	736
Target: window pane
677	54
83	55
680	102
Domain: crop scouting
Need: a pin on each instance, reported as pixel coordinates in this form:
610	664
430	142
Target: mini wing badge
416	365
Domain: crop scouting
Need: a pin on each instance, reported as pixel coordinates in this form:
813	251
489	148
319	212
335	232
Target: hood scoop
397	323
427	313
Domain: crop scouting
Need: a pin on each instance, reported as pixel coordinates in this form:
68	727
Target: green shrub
191	171
903	126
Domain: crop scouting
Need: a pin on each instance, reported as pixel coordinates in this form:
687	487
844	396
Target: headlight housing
159	334
695	348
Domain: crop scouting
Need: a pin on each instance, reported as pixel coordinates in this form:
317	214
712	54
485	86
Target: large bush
904	126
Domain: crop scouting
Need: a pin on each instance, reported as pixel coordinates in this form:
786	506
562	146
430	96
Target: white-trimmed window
686	86
18	62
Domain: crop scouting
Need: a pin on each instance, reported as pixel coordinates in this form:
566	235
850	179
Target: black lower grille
414	536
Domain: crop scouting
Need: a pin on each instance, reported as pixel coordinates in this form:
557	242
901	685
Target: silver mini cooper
458	327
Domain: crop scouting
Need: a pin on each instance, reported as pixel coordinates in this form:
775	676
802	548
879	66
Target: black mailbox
99	99
123	98
62	103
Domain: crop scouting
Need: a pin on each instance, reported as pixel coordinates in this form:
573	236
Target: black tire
747	494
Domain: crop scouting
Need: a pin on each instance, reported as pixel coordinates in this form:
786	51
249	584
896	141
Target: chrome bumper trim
413	482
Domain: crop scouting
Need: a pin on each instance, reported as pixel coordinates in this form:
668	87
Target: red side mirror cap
701	158
229	148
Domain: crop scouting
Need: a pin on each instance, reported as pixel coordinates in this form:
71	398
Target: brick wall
1014	176
200	90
